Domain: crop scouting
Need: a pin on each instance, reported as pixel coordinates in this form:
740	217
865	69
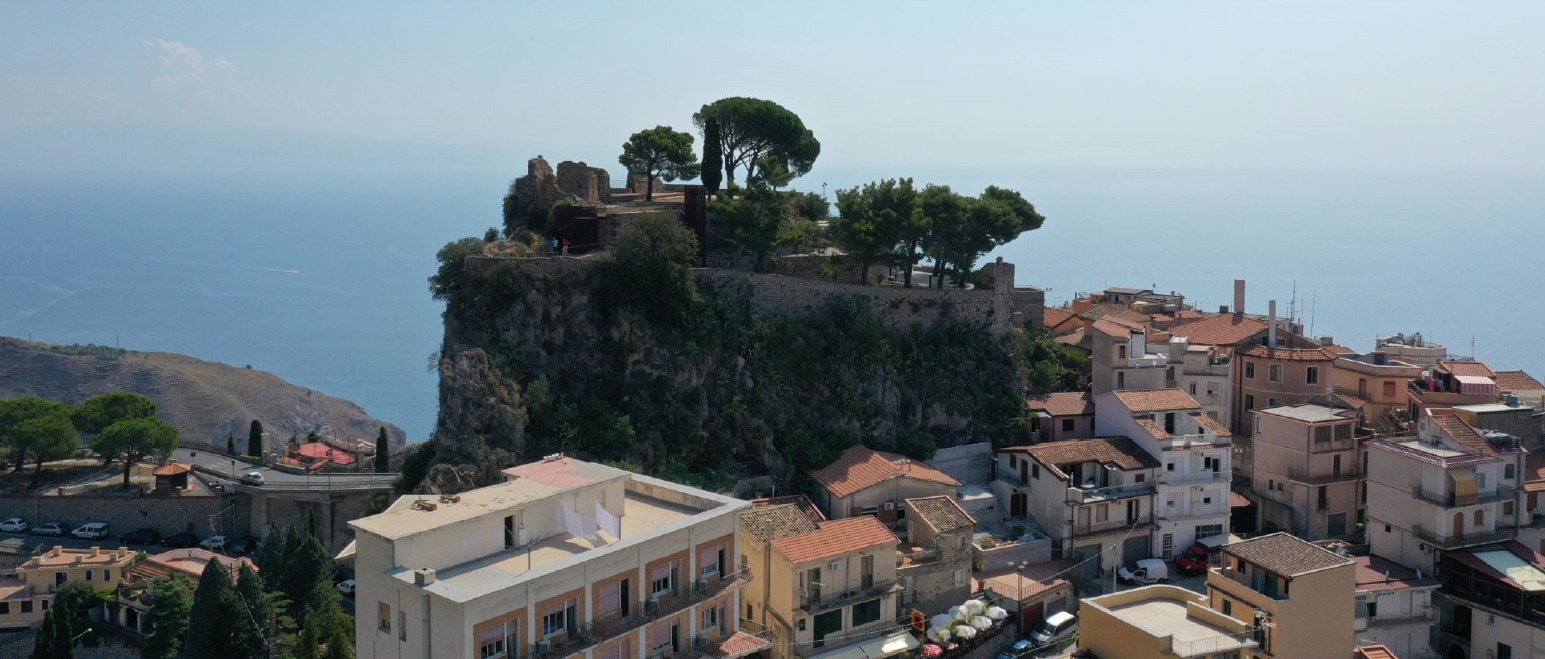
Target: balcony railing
1078	495
1466	539
702	646
1188	441
1450	500
1193	478
1196	512
825	601
1095	528
714	584
919	558
566	643
1248	588
1425	618
1323	476
1147	361
644	611
1332	445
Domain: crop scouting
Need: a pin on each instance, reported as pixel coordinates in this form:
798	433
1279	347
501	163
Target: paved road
226	470
26	544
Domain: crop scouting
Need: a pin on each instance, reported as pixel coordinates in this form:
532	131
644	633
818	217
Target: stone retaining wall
166	514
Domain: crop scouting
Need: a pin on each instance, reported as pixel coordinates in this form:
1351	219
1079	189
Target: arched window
1480	518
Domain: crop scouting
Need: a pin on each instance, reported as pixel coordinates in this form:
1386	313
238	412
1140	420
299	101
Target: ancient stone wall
166	514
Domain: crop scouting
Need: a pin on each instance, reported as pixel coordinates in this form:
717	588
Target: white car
14	525
346	587
91	531
213	543
252	478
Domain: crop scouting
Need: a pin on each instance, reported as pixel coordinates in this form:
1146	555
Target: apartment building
27	593
1274	376
1451	383
565	558
1204	372
1161	622
1062	415
1094	497
134	596
1509	416
823	586
1194	451
1305	473
1394	605
863	481
1491	603
934	563
1121	358
1377	378
1299	597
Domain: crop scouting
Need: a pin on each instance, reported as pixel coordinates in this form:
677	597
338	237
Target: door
1133	549
813	584
1133	506
829	623
1459	525
675	638
1017	504
1335	466
625	591
1033	615
1024	471
721	563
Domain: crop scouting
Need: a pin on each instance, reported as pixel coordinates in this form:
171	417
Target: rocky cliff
205	400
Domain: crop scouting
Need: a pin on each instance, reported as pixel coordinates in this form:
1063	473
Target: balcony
1450	500
1320	477
921	557
1147	361
1332	445
714	584
1466	539
1192	441
1097	528
564	644
751	637
1077	495
611	624
1197	512
1241	587
1424	618
1445	398
1193	478
817	601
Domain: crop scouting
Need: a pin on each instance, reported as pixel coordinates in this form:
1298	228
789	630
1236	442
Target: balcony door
1459	526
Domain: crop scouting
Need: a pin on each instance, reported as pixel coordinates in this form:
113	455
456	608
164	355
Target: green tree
99	412
255	439
230	443
274	553
659	151
308	564
754	220
750	129
171	604
713	157
963	228
46	438
871	220
383	452
328	631
219	625
14	411
54	639
650	268
267	627
446	281
134	440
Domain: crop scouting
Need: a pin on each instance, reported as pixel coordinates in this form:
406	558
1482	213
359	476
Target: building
171	477
1394	606
1204	372
1300	596
1449	487
1451	383
28	593
863	481
1518	383
1122	359
565	559
134	591
1192	496
1379	379
1491	602
1040	590
821	586
1094	497
1062	415
1305	471
1511	417
1161	622
934	564
1273	377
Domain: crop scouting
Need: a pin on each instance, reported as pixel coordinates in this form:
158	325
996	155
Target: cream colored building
863	481
1299	597
134	592
1394	606
1204	372
1305	471
1162	622
565	559
934	563
1376	378
826	588
27	593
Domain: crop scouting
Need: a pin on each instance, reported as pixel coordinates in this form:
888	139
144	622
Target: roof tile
941	512
1290	354
834	539
769	523
860	468
1476	369
1119	451
1053	317
1285	554
1064	403
1219	330
1517	381
1156	400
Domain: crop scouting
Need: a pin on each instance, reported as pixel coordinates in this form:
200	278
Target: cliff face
737	394
205	400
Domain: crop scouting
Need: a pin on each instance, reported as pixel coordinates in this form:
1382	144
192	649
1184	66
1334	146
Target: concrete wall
1283	446
971	463
167	515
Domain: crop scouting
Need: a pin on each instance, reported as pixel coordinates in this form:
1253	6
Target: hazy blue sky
943	84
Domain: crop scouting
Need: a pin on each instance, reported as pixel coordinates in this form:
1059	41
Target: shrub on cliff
649	269
447	280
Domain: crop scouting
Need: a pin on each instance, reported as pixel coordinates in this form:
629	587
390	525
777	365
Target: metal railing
1466	539
1196	512
1211	645
1451	500
1112	525
1320	477
1193	478
566	643
826	601
1078	495
714	584
917	558
1196	439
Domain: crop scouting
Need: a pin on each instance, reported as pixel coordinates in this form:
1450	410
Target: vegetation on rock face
662	152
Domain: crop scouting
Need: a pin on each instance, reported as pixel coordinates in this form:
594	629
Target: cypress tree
383	453
64	635
230	443
309	564
259	609
713	157
43	641
219	625
168	618
255	439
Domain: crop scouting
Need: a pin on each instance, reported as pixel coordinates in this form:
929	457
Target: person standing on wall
565	245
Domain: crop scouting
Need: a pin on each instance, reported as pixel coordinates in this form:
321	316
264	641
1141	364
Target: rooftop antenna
1312	302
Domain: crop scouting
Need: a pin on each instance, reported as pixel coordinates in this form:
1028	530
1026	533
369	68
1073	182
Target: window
1312	375
1035	470
1250	370
402	625
1274	401
1121	380
1336	525
1480	480
872	511
1322	434
866	612
107	575
494	648
509	534
1193	388
5	608
1249	402
1013	461
1507	507
1140	478
960	578
1344	431
384	615
1228	607
1509	472
661	585
554	623
1166	546
1271	484
45	605
1322	498
1389	388
88	575
710	618
1169	466
1480	518
866	571
1067	425
26	606
1367	609
1208	530
1274	373
1504	651
1121	352
1206	500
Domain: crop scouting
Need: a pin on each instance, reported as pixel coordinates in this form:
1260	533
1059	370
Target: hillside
206	400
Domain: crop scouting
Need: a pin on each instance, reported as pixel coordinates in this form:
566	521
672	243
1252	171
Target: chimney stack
1239	296
1271	326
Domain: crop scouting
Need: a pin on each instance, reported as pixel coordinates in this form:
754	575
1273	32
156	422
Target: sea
320	276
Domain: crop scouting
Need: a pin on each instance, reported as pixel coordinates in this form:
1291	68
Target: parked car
49	528
1194	560
1019	649
142	537
13	525
213	543
252	478
346	587
1145	571
91	531
241	545
1055	628
181	540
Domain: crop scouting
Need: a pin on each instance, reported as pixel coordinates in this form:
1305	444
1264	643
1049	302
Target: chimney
423	576
96	552
1239	296
1271	326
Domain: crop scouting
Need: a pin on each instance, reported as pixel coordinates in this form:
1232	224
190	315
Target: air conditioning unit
835	565
890	505
652	606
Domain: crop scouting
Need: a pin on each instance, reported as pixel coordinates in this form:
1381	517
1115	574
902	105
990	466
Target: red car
1194	560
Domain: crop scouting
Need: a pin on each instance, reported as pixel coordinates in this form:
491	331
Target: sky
1206	85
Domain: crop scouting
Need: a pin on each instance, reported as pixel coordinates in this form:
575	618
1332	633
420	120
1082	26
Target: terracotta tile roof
805	505
1153	428
1219	330
1534	470
769	523
1352	401
1063	403
835	538
1072	338
1124	453
11	588
941	512
740	644
1340	350
1476	369
1157	400
1133	317
860	468
189	562
1029	582
1290	354
1517	381
1462	433
1114	329
321	451
1237	500
1371	571
171	469
1101	311
1377	651
1211	425
1053	317
1286	555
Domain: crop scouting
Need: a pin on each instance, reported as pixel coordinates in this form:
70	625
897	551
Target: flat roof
1527	575
1494	407
1162	617
1307	412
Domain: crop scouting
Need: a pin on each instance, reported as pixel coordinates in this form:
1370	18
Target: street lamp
77	636
1019	598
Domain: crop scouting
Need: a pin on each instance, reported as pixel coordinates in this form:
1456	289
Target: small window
1322	434
1507	507
1140	478
107	575
553	623
1067	425
1274	373
88	575
1480	518
1274	401
1389	389
402	625
662	585
1206	500
1249	402
1249	370
1312	375
1013	461
1344	431
384	615
1509	472
1169	466
26	606
1228	607
872	511
1035	470
5	608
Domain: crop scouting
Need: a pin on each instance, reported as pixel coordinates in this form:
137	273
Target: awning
885	646
1464	485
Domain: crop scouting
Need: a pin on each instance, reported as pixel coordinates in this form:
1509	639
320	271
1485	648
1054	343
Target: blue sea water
319	277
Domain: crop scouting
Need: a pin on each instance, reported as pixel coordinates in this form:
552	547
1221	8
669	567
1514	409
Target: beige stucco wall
893	490
1292	390
1315	619
1284	448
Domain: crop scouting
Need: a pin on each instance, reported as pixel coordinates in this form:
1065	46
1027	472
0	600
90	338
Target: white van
91	531
1145	571
1054	628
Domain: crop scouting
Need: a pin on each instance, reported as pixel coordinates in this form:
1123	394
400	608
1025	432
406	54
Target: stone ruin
542	188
